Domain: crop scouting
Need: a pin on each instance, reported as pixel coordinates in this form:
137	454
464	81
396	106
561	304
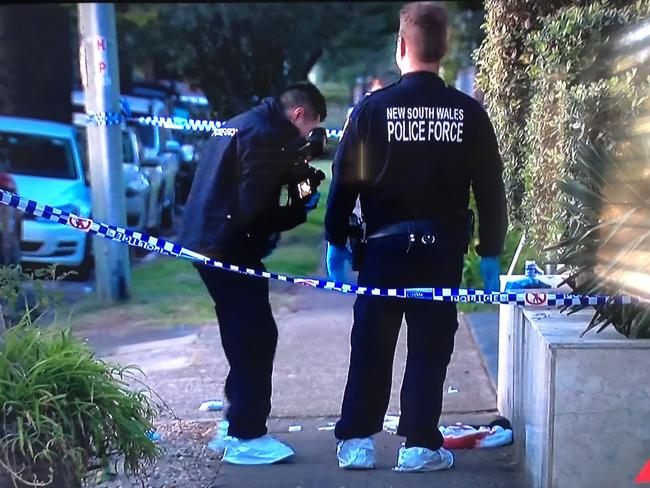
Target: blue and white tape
216	127
180	123
177	123
105	118
162	246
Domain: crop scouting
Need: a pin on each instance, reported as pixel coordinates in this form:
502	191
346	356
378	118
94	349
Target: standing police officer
411	151
233	214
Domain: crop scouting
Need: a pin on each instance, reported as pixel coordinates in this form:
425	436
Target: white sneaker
356	453
416	459
262	450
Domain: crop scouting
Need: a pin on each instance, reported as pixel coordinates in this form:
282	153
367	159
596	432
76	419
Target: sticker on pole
83	66
99	46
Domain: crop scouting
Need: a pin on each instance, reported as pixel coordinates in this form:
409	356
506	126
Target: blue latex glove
490	269
336	258
312	201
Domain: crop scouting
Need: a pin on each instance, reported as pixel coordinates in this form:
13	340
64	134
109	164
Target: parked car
136	184
43	158
155	175
158	145
192	142
11	221
182	102
134	179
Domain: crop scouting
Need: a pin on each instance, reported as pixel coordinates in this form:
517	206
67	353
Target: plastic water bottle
530	269
530	281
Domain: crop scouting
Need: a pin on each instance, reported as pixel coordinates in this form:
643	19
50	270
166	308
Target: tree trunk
311	61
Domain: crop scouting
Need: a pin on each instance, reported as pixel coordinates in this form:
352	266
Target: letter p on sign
99	46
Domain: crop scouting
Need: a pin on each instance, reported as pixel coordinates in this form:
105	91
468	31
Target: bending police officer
233	214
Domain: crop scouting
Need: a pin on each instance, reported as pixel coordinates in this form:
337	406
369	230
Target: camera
305	179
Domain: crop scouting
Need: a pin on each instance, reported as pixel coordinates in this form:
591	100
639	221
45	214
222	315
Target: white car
155	175
136	184
134	178
158	145
43	158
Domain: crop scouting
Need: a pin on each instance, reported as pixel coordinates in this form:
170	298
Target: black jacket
233	209
410	151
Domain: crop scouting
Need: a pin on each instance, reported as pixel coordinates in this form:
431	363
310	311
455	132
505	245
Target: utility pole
101	83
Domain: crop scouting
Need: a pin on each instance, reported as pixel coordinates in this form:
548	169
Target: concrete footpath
186	366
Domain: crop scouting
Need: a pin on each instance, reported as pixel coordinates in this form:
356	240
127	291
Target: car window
82	144
37	155
165	135
181	112
127	148
138	145
147	134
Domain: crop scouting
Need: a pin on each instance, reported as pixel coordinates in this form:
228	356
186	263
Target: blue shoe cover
263	450
356	453
418	459
218	444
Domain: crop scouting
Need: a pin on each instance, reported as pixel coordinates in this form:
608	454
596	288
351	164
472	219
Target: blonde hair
423	25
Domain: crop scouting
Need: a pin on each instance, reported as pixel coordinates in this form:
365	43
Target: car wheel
144	223
8	255
10	236
167	219
85	268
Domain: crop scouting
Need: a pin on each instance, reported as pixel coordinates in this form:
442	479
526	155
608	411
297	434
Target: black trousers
395	261
249	337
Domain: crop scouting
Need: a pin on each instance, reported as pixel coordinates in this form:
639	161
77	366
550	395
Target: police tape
164	247
176	123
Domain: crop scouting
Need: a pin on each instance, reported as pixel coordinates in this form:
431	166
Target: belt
423	228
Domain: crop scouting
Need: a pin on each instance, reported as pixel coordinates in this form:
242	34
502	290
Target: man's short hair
304	94
424	27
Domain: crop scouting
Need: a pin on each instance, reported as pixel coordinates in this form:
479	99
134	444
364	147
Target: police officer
233	214
410	152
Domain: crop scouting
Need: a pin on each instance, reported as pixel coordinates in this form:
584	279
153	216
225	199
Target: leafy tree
362	42
465	20
239	53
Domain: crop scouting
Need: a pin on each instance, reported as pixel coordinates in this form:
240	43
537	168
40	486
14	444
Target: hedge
544	91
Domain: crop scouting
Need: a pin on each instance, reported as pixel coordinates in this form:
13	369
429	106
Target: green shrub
21	292
585	89
60	406
607	239
569	104
502	61
63	407
536	67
